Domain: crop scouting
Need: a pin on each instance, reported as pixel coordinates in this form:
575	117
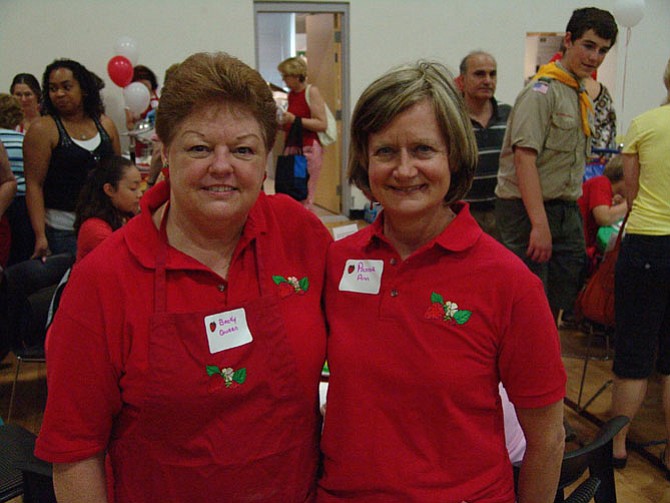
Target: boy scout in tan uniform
543	158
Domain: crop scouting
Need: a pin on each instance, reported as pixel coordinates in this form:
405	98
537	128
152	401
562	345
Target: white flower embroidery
294	282
227	374
450	309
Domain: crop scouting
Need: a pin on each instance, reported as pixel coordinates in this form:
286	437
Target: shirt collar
494	102
143	238
461	234
560	65
494	116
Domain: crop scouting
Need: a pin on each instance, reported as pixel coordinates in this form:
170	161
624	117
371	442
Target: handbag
291	175
595	302
330	134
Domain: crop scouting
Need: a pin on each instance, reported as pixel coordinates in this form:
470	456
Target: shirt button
394	293
393	261
221	287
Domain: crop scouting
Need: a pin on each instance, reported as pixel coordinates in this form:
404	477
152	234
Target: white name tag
362	276
227	330
344	230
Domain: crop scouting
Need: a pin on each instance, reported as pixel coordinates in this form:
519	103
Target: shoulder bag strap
307	96
617	245
294	138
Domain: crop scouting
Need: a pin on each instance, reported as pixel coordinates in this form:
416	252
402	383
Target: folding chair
21	473
26	292
597	458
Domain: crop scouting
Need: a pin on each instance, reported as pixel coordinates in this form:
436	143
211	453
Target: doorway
320	33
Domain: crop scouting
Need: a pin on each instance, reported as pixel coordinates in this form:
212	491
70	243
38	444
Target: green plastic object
606	237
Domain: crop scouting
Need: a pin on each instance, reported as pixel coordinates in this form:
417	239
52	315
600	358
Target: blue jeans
23	239
25	296
61	241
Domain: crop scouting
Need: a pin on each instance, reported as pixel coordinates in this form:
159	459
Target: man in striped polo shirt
478	78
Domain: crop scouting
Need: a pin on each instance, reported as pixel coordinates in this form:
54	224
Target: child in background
109	198
602	204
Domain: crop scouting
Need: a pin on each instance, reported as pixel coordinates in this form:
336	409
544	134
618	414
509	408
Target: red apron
203	437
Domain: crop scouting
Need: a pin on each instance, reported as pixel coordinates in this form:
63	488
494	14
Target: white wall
387	32
276	33
35	32
384	33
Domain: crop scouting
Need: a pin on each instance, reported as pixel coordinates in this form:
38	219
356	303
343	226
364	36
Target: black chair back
596	456
21	473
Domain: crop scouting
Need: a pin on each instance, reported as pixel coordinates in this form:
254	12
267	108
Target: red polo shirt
92	232
97	351
414	412
596	191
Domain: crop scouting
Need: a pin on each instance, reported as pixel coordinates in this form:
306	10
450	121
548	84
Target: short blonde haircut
11	113
204	79
397	91
614	169
295	67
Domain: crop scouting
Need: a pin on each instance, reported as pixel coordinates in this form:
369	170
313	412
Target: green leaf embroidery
228	375
436	297
240	376
279	279
462	316
213	369
304	284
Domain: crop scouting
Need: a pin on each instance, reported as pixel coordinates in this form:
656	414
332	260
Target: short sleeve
84	395
631	142
91	233
530	362
601	193
532	114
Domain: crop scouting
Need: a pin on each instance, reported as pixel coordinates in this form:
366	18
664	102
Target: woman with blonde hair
312	112
426	315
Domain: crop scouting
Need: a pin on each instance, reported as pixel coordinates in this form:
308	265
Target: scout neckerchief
553	71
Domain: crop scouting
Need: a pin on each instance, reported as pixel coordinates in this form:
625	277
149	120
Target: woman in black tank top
61	148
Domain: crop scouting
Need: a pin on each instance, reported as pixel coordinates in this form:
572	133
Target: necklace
75	129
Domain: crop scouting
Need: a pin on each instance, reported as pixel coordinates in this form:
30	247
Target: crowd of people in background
455	292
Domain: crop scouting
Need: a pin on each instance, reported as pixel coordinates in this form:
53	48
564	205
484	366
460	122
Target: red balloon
120	70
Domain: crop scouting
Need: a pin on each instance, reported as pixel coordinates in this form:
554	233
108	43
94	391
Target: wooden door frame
261	6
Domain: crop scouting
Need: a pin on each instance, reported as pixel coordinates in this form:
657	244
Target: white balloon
137	97
629	12
126	46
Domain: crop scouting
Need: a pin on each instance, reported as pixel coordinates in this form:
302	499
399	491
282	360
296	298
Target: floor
641	482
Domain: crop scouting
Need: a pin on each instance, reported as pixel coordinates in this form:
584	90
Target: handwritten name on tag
227	330
362	276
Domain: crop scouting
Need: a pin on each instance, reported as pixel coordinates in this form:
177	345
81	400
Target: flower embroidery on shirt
289	286
446	310
232	378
